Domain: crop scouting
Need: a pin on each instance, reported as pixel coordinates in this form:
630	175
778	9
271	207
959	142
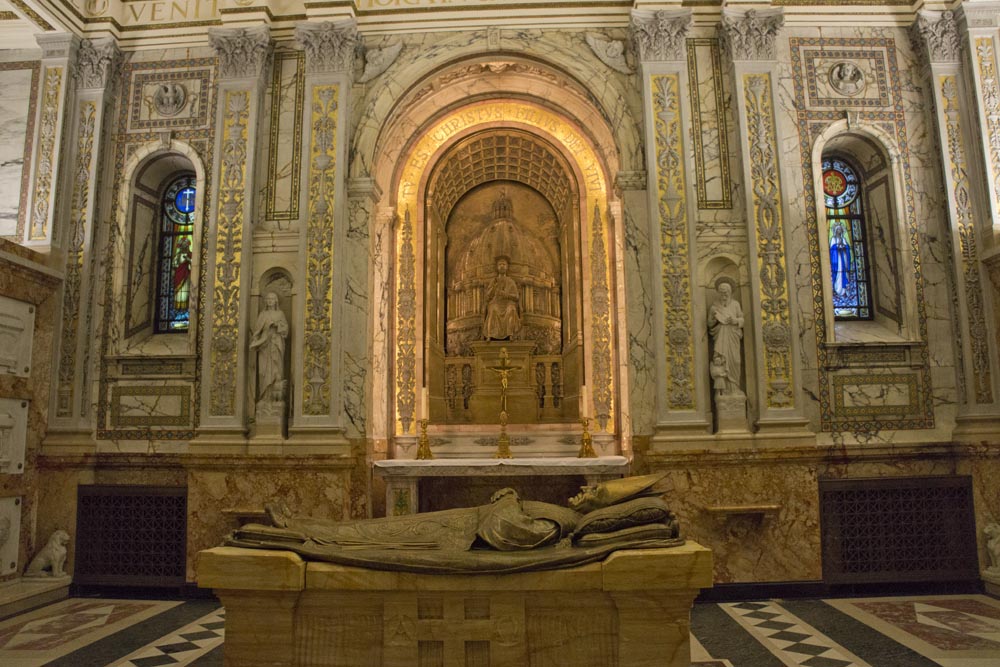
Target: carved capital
935	34
96	62
659	36
751	35
330	46
243	52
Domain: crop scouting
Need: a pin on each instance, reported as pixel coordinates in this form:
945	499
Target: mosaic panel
811	122
191	90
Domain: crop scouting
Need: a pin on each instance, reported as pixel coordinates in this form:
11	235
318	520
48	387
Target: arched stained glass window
846	239
173	293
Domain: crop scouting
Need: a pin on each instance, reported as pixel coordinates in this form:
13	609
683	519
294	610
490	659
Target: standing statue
503	307
269	334
725	324
992	532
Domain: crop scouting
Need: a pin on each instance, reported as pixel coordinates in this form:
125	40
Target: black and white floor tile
928	631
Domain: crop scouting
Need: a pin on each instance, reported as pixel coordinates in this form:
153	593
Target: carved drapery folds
751	35
936	34
329	46
242	52
96	62
659	35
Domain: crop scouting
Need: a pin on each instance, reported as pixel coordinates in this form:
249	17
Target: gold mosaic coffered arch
501	155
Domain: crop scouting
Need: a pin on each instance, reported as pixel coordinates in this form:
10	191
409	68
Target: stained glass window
173	294
847	242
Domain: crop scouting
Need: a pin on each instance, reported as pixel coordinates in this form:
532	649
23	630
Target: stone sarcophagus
631	609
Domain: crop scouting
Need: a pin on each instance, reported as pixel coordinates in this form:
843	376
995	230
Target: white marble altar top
521	466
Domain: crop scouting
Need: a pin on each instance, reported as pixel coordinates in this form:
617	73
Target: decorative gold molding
47	134
229	253
765	187
675	271
406	328
318	330
986	65
601	356
74	259
32	15
969	253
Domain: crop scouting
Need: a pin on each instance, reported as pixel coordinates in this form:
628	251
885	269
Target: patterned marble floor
949	631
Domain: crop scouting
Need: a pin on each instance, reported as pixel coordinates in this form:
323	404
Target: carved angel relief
611	52
377	61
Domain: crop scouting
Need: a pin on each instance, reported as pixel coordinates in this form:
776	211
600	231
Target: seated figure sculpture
507	535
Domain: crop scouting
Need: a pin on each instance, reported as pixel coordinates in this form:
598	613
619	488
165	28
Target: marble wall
19	81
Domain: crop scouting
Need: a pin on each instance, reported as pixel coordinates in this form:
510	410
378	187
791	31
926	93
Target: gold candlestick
503	442
423	443
586	442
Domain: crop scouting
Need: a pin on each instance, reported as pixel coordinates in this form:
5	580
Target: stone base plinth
991	582
633	609
731	414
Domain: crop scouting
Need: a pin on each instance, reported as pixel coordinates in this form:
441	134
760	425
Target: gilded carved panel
969	253
229	252
79	202
674	242
48	132
986	68
318	329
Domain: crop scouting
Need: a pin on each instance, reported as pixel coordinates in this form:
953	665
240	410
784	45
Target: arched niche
277	280
149	172
414	147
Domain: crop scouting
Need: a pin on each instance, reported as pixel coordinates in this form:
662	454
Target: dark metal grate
905	529
131	535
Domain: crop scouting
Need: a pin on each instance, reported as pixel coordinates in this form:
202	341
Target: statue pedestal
522	402
270	421
991	581
731	414
632	609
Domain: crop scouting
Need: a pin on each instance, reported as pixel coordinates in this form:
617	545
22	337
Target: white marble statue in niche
725	325
503	312
268	341
847	78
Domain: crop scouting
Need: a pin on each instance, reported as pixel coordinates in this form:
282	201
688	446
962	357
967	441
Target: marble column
320	331
70	422
244	56
55	99
750	40
682	406
968	220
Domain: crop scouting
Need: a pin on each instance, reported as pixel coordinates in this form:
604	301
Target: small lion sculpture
992	532
51	560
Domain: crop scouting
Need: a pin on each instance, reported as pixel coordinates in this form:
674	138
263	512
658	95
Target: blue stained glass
846	241
173	294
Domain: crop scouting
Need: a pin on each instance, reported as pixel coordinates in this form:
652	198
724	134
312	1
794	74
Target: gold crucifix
503	370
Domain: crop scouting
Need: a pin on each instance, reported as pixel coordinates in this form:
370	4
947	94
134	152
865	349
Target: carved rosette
936	34
242	52
406	327
964	222
674	243
318	329
659	36
47	133
329	46
96	62
74	258
750	36
229	252
600	312
767	219
985	58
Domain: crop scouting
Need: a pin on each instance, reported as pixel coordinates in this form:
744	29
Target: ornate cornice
751	35
330	45
936	35
57	45
659	36
243	52
96	61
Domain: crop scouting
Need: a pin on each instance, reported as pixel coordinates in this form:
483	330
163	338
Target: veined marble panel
882	265
144	405
141	263
285	150
876	395
711	141
10	534
18	81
